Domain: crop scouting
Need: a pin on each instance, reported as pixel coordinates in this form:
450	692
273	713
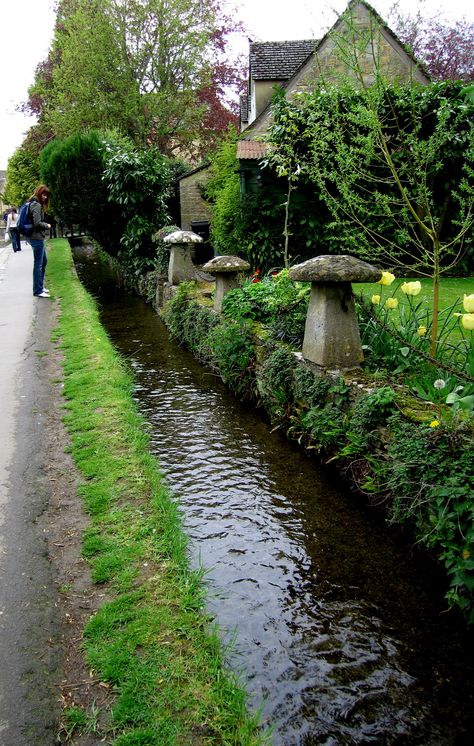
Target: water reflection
339	622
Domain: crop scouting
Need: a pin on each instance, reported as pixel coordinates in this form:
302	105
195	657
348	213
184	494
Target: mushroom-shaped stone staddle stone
226	269
331	338
181	267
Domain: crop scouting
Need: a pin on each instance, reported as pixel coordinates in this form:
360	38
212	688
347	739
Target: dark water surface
340	625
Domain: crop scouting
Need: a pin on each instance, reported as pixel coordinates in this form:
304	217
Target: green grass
451	293
452	290
152	641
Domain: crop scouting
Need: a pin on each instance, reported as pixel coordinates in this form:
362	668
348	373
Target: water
340	625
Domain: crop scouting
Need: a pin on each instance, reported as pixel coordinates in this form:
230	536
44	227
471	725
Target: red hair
39	192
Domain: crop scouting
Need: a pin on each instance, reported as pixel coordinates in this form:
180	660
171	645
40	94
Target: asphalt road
29	618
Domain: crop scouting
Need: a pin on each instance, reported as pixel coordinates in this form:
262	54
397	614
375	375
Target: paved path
29	649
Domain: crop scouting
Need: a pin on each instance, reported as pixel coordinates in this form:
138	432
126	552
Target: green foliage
325	428
116	193
368	413
432	480
313	389
233	353
23	175
410	148
223	192
275	383
73	169
274	300
190	322
138	183
227	346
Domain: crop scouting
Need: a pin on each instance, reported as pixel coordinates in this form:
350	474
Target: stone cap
335	268
183	237
222	264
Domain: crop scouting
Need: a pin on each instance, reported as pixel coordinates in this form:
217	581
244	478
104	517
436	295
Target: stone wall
194	207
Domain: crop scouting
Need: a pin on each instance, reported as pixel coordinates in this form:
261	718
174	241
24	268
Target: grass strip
152	639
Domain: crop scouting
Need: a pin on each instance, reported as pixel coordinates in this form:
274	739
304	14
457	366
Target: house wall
193	208
374	46
364	46
261	95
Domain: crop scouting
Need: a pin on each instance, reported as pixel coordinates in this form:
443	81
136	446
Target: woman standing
13	230
38	204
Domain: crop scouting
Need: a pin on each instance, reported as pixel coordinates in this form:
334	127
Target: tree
395	167
23	175
446	47
73	169
114	191
138	181
153	69
86	84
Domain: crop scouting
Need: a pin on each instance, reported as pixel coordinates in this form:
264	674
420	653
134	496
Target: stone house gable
373	44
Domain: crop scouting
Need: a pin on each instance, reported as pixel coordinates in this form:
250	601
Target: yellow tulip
376	300
468	303
467	320
421	331
411	288
386	279
391	303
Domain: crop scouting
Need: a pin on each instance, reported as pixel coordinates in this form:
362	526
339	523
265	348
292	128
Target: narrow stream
340	625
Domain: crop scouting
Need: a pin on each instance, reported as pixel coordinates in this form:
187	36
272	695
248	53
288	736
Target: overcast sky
265	20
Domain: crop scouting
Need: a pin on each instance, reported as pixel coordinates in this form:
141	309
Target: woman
13	230
38	204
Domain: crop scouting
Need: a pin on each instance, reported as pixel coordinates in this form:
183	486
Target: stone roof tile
278	60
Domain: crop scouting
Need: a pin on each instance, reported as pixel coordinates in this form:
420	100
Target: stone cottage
297	66
359	36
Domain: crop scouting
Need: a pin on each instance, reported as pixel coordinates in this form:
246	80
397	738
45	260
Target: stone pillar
181	267
226	270
332	338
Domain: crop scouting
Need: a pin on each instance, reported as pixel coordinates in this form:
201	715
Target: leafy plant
233	353
273	300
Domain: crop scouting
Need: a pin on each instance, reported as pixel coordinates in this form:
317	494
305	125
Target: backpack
23	221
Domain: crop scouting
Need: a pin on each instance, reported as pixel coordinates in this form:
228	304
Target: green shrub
431	478
234	355
73	168
275	383
273	300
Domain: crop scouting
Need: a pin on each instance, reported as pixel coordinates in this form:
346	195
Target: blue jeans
15	239
39	264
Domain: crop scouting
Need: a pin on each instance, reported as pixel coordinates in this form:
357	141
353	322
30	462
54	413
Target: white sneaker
43	295
45	290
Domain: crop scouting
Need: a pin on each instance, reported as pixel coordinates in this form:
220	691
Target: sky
265	20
